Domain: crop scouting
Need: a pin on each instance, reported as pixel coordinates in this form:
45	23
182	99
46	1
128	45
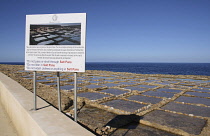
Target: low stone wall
46	121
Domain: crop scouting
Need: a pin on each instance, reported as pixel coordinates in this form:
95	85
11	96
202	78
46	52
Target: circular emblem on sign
55	17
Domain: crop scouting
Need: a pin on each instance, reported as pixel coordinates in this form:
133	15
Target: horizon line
109	62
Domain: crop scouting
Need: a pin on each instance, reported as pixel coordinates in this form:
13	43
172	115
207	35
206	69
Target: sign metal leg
34	83
59	93
75	97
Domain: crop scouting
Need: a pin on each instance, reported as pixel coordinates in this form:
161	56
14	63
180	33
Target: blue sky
119	30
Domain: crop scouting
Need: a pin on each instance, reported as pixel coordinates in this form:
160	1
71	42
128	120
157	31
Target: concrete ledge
47	121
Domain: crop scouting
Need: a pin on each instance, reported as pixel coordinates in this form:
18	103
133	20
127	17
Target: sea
146	68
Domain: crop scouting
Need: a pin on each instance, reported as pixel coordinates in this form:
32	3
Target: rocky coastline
120	103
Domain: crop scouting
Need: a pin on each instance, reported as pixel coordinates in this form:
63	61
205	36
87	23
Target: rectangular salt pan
205	81
124	105
110	80
147	86
50	83
194	100
110	84
98	78
135	88
169	90
136	129
94	86
114	91
198	94
127	83
23	71
188	124
150	81
201	90
92	95
95	82
145	99
188	109
163	83
158	94
50	78
78	82
43	80
67	87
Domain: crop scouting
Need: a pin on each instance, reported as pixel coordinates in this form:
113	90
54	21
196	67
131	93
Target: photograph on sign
55	42
55	34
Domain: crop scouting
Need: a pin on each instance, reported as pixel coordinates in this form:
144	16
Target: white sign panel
55	42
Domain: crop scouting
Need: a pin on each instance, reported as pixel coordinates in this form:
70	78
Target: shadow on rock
119	122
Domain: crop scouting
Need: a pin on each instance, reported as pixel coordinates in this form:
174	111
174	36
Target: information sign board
55	42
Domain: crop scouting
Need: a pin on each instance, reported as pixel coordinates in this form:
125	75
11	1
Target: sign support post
75	97
34	83
59	93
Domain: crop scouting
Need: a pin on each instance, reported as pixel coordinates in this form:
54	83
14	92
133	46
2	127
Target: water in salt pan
201	90
147	86
63	79
93	95
67	87
29	77
49	78
135	88
23	71
111	80
158	94
94	86
127	83
96	82
124	105
145	99
50	83
188	109
43	80
169	90
136	129
198	94
110	84
150	81
194	100
163	83
114	91
188	124
78	82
